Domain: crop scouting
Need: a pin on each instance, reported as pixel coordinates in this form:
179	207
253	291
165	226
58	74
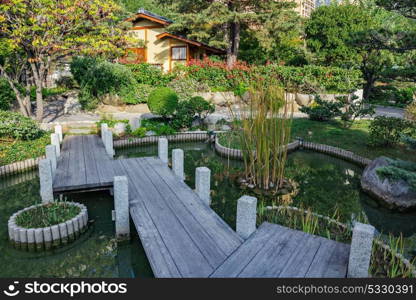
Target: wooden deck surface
279	252
182	236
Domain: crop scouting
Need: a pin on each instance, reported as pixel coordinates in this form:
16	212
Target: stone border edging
20	166
336	152
236	153
40	239
192	136
326	149
379	242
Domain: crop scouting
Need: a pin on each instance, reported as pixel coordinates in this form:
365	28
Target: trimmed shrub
149	74
188	110
163	101
7	95
321	110
100	79
390	95
14	125
386	131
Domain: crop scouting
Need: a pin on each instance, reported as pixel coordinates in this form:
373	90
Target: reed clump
264	120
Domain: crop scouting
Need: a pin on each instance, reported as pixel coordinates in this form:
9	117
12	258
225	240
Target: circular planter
47	238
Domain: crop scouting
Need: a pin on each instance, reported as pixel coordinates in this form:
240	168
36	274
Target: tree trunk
38	73
234	43
368	86
19	96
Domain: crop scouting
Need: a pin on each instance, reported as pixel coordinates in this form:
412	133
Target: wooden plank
157	253
298	265
338	263
320	263
92	175
227	239
204	241
62	170
187	256
236	263
76	169
272	258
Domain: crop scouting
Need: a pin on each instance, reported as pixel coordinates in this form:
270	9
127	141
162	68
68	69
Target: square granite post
177	163
136	122
203	184
104	128
360	252
51	155
121	206
163	150
56	143
246	216
108	143
58	131
45	176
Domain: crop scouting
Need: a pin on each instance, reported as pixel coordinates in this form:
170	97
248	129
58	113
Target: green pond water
326	185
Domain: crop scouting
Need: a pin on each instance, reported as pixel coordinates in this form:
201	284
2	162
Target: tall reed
265	119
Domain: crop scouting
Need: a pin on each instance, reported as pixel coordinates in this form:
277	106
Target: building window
179	53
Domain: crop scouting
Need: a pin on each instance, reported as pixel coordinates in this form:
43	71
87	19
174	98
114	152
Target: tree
220	22
40	32
338	35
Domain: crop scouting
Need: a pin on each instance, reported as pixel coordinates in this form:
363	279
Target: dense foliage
188	110
308	78
321	110
15	126
386	131
163	101
392	96
100	79
399	170
7	95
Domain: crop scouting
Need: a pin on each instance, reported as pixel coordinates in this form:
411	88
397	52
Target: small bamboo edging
20	166
326	149
379	242
180	137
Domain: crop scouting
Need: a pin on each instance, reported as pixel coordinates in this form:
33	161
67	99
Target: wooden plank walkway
279	252
181	235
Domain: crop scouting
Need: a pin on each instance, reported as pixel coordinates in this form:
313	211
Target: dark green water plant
47	215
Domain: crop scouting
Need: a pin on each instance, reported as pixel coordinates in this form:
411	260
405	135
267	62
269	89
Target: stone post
203	184
246	216
136	122
163	149
56	143
45	176
121	205
51	155
104	128
108	143
360	252
177	163
58	131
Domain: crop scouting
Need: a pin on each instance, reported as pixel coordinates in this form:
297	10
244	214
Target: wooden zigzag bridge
181	235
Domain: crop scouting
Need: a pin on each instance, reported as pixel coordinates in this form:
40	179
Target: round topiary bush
16	126
163	101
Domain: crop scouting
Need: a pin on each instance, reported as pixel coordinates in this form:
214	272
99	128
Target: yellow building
162	48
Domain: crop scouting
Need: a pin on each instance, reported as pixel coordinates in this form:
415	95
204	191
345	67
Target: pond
327	185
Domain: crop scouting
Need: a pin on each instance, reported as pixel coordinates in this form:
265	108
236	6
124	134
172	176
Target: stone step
81	131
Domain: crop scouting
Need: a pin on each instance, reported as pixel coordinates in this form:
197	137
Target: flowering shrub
309	78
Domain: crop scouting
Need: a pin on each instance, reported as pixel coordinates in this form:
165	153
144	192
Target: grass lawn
13	151
354	139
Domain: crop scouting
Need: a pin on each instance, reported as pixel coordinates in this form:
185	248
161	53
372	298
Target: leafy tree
337	35
41	32
220	22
